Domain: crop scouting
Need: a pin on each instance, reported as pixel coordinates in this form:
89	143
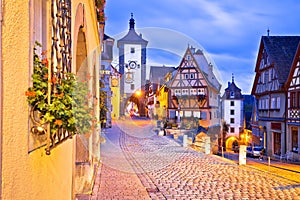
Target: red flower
30	93
45	62
58	122
44	52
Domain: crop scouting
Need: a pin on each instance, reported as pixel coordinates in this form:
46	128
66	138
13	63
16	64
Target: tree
225	129
102	103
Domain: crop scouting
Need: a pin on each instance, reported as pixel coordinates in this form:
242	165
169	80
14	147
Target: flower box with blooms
100	5
67	108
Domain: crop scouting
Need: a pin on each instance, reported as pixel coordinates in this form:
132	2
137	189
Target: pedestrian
165	126
261	155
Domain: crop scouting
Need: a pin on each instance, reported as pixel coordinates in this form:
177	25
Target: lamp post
262	136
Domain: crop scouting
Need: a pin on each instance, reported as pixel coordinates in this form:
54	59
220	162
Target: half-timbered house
273	64
194	90
293	109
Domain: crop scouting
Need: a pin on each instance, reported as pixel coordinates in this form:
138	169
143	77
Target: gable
293	82
188	73
274	62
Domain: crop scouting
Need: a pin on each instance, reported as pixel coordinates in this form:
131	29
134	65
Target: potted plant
58	99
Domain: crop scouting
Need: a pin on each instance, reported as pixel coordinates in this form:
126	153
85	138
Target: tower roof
132	37
232	91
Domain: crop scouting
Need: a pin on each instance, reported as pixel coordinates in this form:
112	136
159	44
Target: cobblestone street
138	164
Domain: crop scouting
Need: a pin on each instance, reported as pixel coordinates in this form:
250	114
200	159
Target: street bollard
269	163
185	141
242	155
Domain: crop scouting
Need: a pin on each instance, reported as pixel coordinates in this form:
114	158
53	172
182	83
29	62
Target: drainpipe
285	120
1	98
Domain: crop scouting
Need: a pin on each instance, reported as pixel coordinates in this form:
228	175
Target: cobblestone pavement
155	167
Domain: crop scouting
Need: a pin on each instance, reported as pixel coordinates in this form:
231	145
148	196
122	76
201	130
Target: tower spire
232	78
131	22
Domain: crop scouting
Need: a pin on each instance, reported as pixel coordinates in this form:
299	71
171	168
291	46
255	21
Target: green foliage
102	104
69	105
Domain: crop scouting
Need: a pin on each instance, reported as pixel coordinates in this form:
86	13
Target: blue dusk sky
229	31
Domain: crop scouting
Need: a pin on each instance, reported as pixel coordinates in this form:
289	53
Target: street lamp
138	93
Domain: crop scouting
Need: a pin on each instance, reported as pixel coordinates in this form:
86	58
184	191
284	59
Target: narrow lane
159	168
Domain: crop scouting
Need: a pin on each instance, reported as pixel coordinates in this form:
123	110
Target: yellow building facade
27	172
115	99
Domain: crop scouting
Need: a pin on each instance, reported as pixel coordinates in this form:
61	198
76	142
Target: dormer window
231	94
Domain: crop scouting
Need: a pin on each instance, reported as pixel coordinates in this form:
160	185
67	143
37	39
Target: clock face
132	64
114	82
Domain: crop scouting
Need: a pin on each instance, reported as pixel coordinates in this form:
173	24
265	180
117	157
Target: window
186	76
193	91
231	112
132	50
262	77
293	100
267	103
201	91
231	129
271	75
231	103
295	139
231	94
231	120
298	99
185	92
177	92
132	86
39	22
278	103
266	77
192	76
203	115
273	102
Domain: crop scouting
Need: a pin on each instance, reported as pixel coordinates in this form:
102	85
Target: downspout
1	98
285	119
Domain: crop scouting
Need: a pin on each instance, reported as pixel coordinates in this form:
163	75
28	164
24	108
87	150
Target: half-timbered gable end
293	87
293	108
273	63
194	89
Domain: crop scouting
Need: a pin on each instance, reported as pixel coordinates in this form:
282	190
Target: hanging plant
68	107
100	5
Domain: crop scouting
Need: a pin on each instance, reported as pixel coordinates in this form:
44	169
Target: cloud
230	30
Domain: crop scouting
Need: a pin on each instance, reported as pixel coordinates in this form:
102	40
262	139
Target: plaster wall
31	175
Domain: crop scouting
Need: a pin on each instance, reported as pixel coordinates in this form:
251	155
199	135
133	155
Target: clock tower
132	66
